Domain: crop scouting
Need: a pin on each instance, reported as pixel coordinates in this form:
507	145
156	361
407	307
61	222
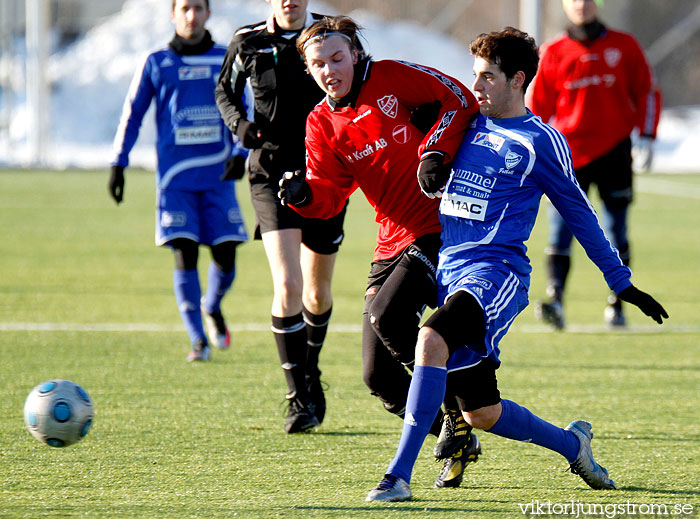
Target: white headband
322	36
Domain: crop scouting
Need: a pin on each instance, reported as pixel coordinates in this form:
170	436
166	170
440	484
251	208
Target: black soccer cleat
453	436
300	416
551	313
316	393
453	468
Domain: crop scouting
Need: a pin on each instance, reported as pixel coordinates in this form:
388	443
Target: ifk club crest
389	105
512	159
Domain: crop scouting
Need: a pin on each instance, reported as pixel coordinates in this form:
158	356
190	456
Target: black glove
250	135
644	302
425	116
294	190
433	174
235	168
116	183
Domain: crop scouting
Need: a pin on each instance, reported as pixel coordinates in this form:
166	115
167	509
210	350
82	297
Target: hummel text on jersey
474	179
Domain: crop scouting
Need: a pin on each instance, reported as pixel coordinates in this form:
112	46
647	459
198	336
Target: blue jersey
193	143
490	203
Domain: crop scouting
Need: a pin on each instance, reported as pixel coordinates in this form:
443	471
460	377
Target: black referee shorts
320	235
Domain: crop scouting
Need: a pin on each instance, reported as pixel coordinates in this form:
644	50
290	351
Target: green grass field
86	296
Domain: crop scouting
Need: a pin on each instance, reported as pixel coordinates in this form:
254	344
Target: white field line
656	186
334	327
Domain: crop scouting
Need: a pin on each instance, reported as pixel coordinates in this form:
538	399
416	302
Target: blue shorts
500	294
208	217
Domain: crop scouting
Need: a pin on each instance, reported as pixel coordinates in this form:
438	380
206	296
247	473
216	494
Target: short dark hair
172	8
328	25
511	49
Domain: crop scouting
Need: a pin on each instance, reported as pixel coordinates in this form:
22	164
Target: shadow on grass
661	492
419	507
350	433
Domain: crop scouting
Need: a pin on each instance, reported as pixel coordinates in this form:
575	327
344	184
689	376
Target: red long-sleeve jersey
595	94
372	144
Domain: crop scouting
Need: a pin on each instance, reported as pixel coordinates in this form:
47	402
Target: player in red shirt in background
595	86
363	135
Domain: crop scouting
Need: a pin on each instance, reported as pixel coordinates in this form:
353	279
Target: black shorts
475	387
612	173
419	257
320	235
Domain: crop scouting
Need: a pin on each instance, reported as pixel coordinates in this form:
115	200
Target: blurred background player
301	251
595	86
509	158
364	134
197	163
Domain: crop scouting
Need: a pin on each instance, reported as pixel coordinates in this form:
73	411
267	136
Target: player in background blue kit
197	164
509	158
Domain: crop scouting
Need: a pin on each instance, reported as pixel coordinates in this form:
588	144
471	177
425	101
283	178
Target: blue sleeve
556	178
136	105
247	99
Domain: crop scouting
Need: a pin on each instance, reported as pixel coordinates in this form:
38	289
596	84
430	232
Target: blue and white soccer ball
58	413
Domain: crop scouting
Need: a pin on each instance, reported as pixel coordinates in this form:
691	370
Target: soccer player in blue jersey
197	163
509	158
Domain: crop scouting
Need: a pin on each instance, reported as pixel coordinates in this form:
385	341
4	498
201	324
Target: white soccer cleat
390	488
585	465
217	331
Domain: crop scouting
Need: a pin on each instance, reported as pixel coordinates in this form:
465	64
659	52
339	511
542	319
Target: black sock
558	266
316	328
290	336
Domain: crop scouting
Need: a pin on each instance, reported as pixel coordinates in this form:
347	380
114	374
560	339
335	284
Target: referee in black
301	251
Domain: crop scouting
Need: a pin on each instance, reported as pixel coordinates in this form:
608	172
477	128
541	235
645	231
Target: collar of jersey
180	45
360	76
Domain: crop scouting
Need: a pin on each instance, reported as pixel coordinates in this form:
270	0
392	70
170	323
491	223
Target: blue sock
187	295
518	423
425	396
217	285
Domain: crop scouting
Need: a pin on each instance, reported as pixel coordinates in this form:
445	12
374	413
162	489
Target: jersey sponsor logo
196	72
167	62
606	80
188	135
612	56
368	150
401	133
208	113
471	179
173	219
468	207
489	140
512	159
389	105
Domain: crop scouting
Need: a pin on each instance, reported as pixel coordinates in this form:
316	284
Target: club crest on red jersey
389	105
612	57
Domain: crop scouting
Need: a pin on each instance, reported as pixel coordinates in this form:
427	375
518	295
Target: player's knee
289	290
483	418
376	382
224	255
186	253
431	348
317	299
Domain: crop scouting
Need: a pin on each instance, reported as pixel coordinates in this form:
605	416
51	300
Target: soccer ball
58	413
